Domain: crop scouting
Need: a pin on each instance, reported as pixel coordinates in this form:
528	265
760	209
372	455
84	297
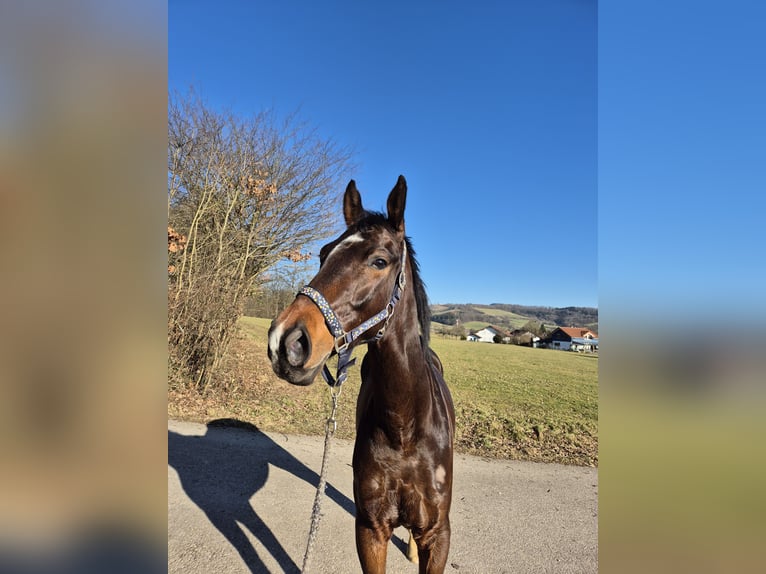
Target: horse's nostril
297	347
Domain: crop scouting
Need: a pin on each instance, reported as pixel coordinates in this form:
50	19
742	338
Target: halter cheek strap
344	339
333	323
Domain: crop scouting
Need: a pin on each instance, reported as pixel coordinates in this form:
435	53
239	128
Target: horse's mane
421	297
376	219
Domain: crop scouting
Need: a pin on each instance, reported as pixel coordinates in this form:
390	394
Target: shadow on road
220	476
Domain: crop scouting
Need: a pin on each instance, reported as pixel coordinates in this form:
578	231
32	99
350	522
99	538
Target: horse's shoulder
442	390
435	361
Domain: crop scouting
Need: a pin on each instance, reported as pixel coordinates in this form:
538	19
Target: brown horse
368	290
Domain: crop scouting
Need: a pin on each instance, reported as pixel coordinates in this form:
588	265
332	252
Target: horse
368	290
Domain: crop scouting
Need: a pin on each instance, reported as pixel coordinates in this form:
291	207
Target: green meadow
513	319
510	402
523	403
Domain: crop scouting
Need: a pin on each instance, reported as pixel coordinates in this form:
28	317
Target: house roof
497	330
576	332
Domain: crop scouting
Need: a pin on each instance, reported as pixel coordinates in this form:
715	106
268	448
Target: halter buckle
343	346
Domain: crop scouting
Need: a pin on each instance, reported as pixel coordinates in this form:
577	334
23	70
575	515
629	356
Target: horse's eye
379	263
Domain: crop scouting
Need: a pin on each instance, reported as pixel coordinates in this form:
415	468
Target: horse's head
357	274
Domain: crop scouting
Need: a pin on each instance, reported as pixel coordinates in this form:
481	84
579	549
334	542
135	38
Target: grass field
513	319
510	402
520	402
475	325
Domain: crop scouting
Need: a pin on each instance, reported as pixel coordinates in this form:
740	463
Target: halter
344	339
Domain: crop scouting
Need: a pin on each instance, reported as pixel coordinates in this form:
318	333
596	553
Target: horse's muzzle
289	352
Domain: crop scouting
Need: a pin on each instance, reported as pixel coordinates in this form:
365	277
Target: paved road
239	500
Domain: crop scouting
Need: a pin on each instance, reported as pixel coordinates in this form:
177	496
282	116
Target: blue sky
487	108
682	161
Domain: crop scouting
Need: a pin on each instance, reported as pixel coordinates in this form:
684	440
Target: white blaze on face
350	240
274	338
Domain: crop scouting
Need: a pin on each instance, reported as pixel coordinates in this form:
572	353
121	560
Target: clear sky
682	161
487	108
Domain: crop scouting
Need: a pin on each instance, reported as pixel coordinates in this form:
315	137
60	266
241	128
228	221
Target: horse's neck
399	357
398	378
399	366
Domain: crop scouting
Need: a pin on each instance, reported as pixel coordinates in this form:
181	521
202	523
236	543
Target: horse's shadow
220	476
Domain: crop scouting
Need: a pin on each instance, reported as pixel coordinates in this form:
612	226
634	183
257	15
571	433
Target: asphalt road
239	500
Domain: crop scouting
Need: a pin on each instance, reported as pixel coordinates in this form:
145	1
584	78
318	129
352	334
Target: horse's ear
396	202
352	204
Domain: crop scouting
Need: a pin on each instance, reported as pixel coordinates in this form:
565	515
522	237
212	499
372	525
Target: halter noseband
344	339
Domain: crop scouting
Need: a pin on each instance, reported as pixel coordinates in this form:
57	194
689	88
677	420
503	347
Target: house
473	337
572	338
584	344
524	338
488	333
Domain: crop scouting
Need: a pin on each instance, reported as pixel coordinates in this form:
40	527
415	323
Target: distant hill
514	316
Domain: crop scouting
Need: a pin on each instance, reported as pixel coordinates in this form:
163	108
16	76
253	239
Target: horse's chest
401	490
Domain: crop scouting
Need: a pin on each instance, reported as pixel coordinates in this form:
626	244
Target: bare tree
243	194
278	288
535	327
457	330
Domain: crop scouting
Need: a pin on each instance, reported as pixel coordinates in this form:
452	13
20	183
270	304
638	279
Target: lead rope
316	513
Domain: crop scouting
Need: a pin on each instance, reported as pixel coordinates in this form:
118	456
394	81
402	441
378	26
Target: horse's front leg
371	546
433	550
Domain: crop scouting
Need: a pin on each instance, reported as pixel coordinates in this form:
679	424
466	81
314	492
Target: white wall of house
486	335
561	345
587	344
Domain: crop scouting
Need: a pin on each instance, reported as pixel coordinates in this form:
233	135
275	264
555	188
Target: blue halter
344	339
